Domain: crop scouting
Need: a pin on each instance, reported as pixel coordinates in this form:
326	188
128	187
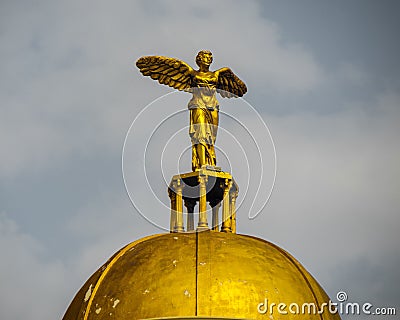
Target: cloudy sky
323	75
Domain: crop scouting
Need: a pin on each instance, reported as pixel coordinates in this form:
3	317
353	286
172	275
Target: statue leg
195	162
211	154
201	154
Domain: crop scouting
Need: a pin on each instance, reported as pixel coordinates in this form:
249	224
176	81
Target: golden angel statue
204	107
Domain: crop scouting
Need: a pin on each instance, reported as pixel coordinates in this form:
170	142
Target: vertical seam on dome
111	263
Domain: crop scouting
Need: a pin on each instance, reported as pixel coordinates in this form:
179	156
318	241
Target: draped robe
204	110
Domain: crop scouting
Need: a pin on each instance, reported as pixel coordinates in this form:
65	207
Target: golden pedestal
209	184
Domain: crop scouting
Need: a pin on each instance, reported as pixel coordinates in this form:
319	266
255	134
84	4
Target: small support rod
215	205
179	206
233	196
172	196
202	203
226	221
190	204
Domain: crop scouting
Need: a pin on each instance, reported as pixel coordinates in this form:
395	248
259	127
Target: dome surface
205	275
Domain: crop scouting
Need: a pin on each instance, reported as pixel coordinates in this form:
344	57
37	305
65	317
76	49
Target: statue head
204	57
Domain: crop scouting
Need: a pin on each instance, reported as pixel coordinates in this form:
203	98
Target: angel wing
169	71
229	85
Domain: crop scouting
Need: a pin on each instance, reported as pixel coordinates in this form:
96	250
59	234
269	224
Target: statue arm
169	71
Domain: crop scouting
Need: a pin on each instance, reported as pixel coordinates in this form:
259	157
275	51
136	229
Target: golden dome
197	275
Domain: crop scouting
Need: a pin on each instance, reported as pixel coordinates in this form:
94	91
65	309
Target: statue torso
204	87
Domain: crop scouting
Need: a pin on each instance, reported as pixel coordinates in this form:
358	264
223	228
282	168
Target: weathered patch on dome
88	293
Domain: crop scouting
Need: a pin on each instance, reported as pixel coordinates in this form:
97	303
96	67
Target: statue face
204	58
